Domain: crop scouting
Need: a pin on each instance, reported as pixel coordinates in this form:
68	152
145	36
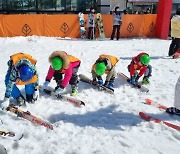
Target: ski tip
148	100
82	103
144	116
112	90
141	113
21	136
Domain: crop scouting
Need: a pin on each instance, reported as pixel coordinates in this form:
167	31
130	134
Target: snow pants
115	28
174	46
29	89
91	33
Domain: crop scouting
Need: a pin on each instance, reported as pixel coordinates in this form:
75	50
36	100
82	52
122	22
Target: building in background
176	5
141	6
46	6
107	6
75	6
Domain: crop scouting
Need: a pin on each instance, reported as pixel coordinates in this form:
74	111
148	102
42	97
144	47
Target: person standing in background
117	22
175	33
91	24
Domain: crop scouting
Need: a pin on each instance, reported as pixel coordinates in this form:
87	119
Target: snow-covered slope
108	124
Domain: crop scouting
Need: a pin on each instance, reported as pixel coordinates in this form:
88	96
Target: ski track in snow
108	124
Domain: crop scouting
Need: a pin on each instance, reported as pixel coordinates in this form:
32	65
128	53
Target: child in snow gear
62	63
175	33
117	22
91	24
21	71
104	64
141	63
176	108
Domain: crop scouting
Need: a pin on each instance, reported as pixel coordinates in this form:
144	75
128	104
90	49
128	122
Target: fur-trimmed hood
63	56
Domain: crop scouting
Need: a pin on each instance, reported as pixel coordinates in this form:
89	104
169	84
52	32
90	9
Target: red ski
155	104
150	118
74	101
28	116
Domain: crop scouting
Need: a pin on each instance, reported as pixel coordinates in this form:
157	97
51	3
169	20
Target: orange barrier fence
68	25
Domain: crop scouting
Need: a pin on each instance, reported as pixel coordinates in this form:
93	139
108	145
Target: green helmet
57	63
145	59
100	68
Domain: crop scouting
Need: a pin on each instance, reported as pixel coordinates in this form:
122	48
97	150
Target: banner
68	25
24	25
62	25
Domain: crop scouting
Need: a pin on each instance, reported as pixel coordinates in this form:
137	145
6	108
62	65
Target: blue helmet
26	73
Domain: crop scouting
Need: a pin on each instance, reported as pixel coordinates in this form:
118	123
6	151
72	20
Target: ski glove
45	84
59	91
132	80
5	103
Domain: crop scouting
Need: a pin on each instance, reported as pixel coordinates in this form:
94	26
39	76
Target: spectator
175	33
117	22
91	24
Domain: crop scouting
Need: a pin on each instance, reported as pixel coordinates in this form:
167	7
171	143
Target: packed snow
108	124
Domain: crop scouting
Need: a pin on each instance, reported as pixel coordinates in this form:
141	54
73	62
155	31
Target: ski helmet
57	63
25	73
100	68
145	59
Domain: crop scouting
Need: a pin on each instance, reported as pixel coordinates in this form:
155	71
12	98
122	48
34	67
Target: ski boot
145	80
173	110
20	101
29	98
74	91
110	85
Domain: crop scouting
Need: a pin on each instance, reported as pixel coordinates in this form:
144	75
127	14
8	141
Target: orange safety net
68	25
138	25
23	25
62	25
2	33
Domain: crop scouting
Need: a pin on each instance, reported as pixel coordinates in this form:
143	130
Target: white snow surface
108	124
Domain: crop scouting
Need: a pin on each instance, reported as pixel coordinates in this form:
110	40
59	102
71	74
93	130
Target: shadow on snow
106	118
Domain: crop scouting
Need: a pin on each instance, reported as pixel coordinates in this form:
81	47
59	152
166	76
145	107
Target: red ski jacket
135	65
